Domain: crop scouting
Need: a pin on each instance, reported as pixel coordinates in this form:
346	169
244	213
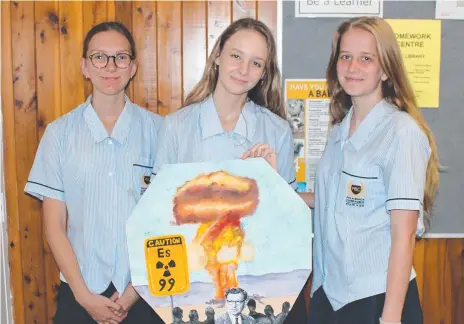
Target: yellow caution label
167	265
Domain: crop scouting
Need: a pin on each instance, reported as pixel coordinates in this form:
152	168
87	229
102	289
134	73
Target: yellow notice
307	89
420	43
308	110
167	266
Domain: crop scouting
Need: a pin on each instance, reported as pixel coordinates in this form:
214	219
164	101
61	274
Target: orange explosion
217	201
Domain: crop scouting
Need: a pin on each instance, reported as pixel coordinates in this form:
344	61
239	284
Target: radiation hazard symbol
167	265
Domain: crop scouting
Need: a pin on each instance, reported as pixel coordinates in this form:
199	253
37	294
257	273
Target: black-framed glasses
121	60
236	302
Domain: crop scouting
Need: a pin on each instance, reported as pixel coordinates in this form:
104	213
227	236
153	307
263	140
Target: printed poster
449	9
214	241
338	8
420	43
308	109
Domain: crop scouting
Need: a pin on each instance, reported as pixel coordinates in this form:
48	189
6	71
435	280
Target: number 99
171	282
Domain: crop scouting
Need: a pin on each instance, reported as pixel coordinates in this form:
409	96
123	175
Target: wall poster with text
307	103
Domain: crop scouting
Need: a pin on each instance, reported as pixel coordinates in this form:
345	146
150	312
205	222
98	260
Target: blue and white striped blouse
100	178
359	180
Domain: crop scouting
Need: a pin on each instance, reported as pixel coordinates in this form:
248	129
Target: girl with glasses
91	167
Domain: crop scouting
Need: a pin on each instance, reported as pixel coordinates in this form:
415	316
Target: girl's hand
264	151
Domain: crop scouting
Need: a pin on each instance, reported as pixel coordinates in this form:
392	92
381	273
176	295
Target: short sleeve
45	178
166	152
405	170
285	162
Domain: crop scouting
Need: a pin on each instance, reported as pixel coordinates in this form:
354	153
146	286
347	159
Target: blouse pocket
141	173
359	189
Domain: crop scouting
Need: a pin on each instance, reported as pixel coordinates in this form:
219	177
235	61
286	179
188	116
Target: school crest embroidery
145	181
355	194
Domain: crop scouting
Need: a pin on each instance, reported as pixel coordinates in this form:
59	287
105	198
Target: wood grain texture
194	43
11	185
26	140
145	82
48	84
266	11
219	17
71	38
455	265
434	292
243	9
169	22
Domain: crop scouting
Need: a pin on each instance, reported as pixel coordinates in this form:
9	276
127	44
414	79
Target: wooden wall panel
144	29
443	281
266	11
41	80
111	10
48	83
455	267
71	37
419	259
169	24
48	70
25	119
219	17
194	41
123	12
12	189
243	9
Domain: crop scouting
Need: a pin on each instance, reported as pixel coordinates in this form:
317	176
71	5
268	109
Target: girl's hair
267	93
396	90
108	26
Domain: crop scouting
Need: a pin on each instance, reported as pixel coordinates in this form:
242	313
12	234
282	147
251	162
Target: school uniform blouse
100	178
359	180
195	134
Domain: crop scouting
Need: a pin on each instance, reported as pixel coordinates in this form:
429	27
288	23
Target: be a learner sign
338	8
